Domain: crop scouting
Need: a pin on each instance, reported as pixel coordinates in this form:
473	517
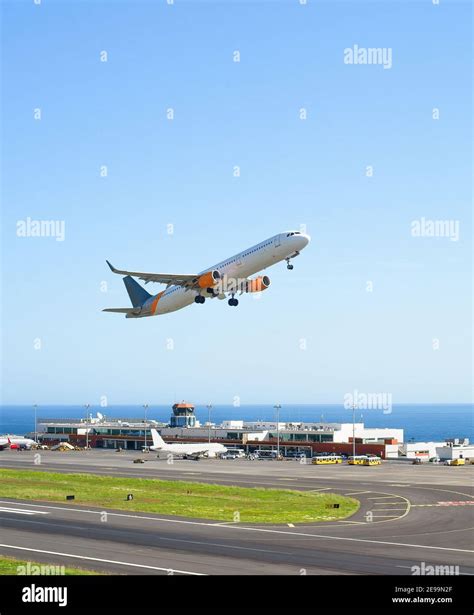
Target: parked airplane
16	442
227	277
200	449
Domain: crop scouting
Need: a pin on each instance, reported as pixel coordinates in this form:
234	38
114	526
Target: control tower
183	415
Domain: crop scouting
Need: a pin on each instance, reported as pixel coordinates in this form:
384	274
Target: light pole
87	406
353	431
146	408
209	408
36	438
278	408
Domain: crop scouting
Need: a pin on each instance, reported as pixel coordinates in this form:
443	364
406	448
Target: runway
408	515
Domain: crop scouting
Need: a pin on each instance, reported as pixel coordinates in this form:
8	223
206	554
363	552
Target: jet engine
258	284
209	279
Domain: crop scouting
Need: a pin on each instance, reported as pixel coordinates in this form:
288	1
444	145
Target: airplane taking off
199	449
227	277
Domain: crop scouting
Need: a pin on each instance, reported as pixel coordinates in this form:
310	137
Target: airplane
200	449
16	442
227	277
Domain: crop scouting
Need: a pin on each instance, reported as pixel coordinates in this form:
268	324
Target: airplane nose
306	238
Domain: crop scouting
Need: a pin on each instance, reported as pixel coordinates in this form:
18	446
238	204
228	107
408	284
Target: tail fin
137	294
158	441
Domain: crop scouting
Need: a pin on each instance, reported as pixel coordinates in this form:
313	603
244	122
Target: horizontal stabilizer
129	310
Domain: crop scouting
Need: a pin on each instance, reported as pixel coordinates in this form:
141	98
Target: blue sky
293	172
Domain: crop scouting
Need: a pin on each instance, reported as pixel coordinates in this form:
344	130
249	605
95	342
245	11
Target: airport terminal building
310	438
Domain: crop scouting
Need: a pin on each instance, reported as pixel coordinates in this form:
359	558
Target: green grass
198	500
9	565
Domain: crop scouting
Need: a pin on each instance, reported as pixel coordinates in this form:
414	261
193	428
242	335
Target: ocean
421	422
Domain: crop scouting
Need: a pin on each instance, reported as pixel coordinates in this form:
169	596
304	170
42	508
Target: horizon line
203	404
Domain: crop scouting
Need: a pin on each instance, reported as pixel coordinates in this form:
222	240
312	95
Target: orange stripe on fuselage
155	302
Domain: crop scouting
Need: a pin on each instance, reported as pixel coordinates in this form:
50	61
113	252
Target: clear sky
319	332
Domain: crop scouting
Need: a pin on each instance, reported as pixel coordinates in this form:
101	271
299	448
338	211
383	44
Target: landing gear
233	302
288	264
199	299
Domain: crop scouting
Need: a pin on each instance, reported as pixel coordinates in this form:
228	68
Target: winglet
112	268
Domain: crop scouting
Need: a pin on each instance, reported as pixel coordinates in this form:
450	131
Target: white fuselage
201	448
7	440
242	265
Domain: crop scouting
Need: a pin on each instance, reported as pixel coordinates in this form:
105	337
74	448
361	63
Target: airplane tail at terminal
158	441
137	294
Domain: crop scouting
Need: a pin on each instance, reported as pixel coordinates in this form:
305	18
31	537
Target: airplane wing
195	454
203	453
177	279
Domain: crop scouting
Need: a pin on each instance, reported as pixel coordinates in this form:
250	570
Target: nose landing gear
199	299
233	302
288	264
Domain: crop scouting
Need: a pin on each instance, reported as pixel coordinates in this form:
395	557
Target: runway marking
442	504
385	503
316	490
459	503
384	497
384	509
19	511
106	561
356	492
264	530
468	495
394	517
439	532
343	538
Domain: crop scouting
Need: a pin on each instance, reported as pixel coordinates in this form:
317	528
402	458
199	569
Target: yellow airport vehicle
372	461
358	460
458	462
326	459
